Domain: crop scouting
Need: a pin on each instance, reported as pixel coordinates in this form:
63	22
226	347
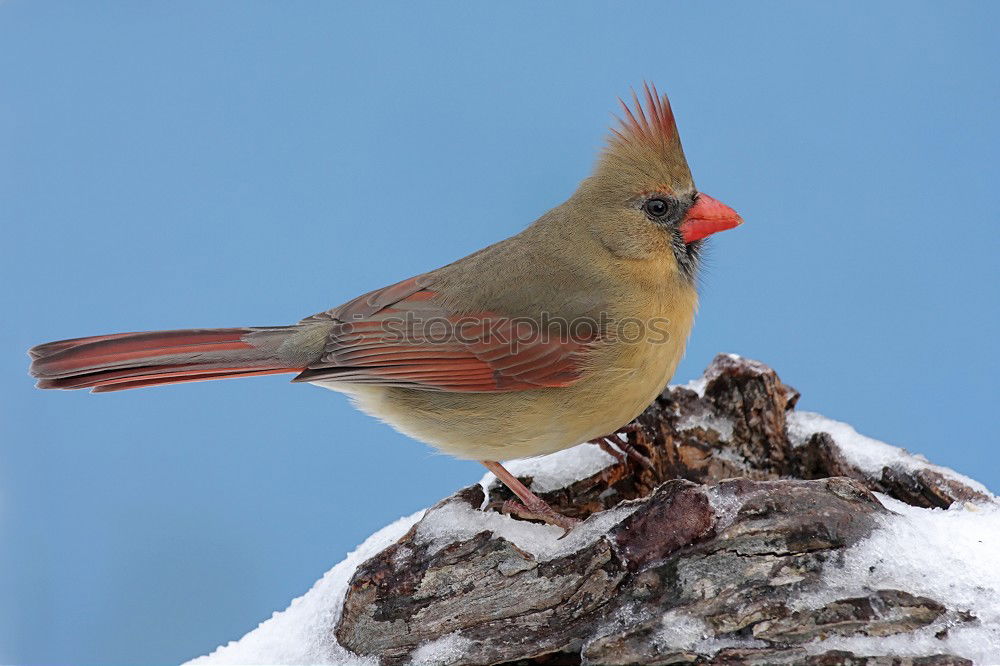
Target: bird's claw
621	450
542	512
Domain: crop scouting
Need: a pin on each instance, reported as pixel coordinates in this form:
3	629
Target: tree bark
710	556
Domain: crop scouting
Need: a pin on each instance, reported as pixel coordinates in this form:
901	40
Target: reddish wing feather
413	342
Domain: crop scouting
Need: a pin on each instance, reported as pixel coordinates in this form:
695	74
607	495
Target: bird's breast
645	342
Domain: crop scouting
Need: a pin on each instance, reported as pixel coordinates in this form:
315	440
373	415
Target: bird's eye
656	207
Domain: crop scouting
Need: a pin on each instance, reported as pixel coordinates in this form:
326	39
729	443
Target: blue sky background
167	165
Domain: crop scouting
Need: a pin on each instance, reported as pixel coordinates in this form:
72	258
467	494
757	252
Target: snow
560	469
457	521
867	454
725	504
697	385
951	556
302	634
450	649
721	425
679	631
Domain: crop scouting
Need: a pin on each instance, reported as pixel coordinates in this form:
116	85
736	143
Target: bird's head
643	188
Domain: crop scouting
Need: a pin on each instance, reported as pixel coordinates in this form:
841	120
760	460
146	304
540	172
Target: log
759	535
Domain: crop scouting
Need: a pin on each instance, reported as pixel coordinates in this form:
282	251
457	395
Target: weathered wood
717	542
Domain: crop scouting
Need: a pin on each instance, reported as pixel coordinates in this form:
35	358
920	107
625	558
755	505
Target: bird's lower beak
706	217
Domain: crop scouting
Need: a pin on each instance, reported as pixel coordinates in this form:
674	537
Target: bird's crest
651	124
644	152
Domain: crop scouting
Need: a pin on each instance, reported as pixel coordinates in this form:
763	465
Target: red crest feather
653	125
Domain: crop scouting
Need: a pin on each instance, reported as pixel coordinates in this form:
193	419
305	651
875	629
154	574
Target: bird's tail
132	360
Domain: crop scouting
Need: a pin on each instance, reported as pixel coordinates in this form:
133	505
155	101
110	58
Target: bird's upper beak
706	217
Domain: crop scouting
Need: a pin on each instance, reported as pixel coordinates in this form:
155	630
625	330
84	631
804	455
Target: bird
560	334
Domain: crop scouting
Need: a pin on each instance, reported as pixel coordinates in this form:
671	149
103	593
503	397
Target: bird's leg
531	505
609	448
609	444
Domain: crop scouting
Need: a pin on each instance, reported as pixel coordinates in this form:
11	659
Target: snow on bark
760	536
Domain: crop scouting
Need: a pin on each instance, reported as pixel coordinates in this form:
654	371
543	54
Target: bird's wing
402	336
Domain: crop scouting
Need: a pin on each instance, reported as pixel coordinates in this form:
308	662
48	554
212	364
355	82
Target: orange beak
706	217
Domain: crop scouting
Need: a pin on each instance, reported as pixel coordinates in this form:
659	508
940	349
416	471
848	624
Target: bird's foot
540	511
619	448
531	505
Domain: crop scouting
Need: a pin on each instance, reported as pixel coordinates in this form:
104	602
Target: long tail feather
132	360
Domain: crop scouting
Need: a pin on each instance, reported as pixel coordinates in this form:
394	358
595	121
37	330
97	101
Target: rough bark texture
723	535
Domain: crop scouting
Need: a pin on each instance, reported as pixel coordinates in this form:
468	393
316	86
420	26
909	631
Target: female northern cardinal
552	337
